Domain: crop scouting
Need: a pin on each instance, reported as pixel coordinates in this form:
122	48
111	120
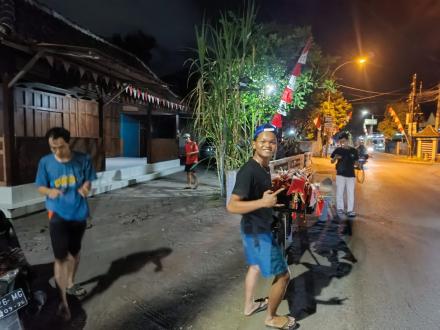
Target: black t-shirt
345	165
251	183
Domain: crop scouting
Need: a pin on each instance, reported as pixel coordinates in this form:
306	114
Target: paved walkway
161	257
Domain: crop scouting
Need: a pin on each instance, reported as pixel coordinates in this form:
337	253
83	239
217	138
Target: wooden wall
163	149
36	112
112	135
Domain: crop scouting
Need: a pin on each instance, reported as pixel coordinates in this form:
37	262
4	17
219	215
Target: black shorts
66	236
190	168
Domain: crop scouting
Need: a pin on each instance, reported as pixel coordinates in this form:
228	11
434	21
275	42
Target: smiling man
65	177
253	198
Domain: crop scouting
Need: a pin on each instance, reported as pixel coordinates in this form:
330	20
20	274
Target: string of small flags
144	96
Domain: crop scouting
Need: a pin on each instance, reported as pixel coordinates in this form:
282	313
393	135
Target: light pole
360	60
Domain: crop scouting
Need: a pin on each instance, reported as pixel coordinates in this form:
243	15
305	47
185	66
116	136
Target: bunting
288	93
137	93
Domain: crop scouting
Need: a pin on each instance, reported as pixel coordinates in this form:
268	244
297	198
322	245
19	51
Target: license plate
12	302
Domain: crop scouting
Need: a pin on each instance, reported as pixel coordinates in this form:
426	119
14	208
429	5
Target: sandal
76	290
288	325
262	306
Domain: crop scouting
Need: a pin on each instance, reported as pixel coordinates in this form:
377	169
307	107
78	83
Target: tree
336	107
388	126
235	61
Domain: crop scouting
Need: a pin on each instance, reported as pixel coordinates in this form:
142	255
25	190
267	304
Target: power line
372	96
373	92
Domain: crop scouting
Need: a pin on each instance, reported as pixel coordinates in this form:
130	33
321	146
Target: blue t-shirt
67	177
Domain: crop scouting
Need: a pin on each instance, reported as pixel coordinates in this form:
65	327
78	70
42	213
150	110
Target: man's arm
52	193
195	149
84	190
238	206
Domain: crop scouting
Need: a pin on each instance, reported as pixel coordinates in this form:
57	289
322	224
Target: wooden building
56	73
427	143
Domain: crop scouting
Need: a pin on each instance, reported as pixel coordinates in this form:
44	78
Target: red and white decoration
396	119
287	96
146	97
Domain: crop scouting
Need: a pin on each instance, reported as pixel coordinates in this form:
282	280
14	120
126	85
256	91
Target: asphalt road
160	257
395	283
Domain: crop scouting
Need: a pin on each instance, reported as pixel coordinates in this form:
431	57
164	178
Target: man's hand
84	190
270	198
54	193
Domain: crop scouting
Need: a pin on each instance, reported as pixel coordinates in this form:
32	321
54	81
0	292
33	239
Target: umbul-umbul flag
288	93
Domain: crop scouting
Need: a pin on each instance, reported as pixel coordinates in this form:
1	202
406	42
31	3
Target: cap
186	135
264	128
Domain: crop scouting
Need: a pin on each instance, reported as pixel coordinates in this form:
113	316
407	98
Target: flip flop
262	306
76	290
289	325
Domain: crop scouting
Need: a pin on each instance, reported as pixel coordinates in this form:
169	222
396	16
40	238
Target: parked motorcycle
15	280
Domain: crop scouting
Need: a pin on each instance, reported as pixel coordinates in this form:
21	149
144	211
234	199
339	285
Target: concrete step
24	199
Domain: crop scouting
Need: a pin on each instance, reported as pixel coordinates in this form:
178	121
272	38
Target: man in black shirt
346	158
253	198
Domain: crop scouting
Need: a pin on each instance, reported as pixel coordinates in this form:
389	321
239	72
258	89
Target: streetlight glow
360	60
270	89
365	112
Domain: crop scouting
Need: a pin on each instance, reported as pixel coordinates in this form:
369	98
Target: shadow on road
124	266
326	239
47	318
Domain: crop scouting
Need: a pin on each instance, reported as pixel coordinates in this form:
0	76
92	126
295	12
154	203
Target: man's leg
59	238
76	233
195	180
249	289
340	185
350	194
72	262
188	179
61	270
276	295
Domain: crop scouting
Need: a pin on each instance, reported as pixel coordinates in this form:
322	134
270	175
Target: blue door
130	128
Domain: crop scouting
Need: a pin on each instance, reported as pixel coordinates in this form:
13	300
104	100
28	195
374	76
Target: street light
360	60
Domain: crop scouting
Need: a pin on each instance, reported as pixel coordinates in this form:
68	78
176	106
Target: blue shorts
262	250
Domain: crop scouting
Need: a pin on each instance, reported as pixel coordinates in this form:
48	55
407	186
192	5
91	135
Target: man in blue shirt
65	177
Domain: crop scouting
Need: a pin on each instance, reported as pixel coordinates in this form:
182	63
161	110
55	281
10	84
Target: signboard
370	121
328	119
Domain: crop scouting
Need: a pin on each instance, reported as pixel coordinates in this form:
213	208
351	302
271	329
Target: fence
298	161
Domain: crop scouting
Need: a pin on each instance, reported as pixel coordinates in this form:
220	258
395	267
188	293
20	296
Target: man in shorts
65	177
192	158
253	198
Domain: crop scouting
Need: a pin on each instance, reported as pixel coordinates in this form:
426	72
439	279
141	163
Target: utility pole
412	102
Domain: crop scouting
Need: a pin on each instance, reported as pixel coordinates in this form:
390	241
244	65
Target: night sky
401	37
